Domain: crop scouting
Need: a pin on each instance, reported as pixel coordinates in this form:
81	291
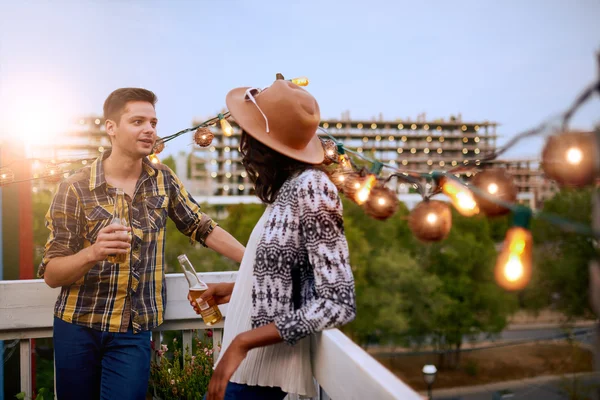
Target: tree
473	303
561	258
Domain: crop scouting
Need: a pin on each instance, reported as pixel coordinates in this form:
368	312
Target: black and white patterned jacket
303	247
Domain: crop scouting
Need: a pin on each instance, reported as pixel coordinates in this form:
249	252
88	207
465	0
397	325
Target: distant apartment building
417	145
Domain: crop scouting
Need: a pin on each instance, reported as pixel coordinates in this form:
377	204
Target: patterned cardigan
303	254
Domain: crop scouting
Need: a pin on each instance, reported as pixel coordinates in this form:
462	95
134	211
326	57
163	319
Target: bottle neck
190	274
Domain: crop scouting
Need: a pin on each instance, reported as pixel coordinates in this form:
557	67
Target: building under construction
416	145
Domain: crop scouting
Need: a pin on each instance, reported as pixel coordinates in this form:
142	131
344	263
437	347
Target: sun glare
38	113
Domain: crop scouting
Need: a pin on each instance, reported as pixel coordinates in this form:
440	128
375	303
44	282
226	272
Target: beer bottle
208	308
119	218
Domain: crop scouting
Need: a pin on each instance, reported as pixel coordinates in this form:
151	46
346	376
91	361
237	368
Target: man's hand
231	360
221	293
112	239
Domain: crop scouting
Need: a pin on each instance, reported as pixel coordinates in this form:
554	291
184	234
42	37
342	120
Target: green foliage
177	375
40	203
42	394
169	162
473	302
560	272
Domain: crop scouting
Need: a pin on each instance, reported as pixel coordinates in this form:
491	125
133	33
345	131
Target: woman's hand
221	293
229	363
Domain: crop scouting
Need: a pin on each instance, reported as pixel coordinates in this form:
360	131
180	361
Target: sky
515	62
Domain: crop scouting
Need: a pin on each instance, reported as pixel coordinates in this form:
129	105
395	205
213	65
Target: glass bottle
208	308
119	218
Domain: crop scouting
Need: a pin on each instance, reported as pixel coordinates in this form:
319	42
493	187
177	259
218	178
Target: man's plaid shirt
111	294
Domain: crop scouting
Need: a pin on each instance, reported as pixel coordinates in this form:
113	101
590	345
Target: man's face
135	134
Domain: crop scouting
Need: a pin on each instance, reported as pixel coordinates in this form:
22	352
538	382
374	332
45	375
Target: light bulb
226	127
461	197
574	156
153	159
513	267
381	201
364	190
300	81
431	218
492	188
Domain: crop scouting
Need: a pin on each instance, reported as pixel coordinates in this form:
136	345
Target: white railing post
186	341
25	361
217	341
156	339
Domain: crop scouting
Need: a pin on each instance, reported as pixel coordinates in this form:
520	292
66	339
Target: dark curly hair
267	168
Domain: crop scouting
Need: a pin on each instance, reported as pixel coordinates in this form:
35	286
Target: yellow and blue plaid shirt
110	295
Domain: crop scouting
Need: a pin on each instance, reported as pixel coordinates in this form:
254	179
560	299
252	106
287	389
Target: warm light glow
325	125
373	126
381	201
226	127
153	159
461	197
431	218
364	190
38	110
300	81
513	268
330	152
492	188
574	156
338	125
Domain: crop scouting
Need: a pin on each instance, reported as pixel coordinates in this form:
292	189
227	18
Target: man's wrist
89	255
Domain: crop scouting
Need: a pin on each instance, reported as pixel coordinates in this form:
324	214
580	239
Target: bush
183	376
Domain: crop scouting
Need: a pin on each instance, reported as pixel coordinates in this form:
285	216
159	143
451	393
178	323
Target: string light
300	81
203	137
7	176
430	220
52	173
225	126
497	185
513	266
572	158
382	203
159	146
461	197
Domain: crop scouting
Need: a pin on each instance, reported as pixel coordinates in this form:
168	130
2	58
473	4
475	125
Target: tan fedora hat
283	116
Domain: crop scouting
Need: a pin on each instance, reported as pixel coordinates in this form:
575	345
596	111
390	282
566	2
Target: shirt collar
97	177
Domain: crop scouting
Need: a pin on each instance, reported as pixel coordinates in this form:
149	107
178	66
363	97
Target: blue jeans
91	364
236	391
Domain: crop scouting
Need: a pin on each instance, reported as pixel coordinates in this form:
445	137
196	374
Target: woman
295	278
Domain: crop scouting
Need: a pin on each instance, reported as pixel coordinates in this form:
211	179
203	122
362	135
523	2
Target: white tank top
278	365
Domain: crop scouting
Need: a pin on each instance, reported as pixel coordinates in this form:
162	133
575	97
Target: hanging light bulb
225	126
6	176
158	146
513	266
360	189
52	173
430	221
363	192
496	184
330	149
461	197
153	159
300	81
382	203
203	137
572	158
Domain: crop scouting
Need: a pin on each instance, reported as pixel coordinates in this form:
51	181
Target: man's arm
223	243
64	271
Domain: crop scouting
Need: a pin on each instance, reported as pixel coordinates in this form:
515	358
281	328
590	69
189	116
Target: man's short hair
115	103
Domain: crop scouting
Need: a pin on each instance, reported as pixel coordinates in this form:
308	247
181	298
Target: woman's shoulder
315	182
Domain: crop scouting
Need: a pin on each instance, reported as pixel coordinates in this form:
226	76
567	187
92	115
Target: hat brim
244	113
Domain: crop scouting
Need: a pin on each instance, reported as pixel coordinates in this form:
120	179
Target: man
105	312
